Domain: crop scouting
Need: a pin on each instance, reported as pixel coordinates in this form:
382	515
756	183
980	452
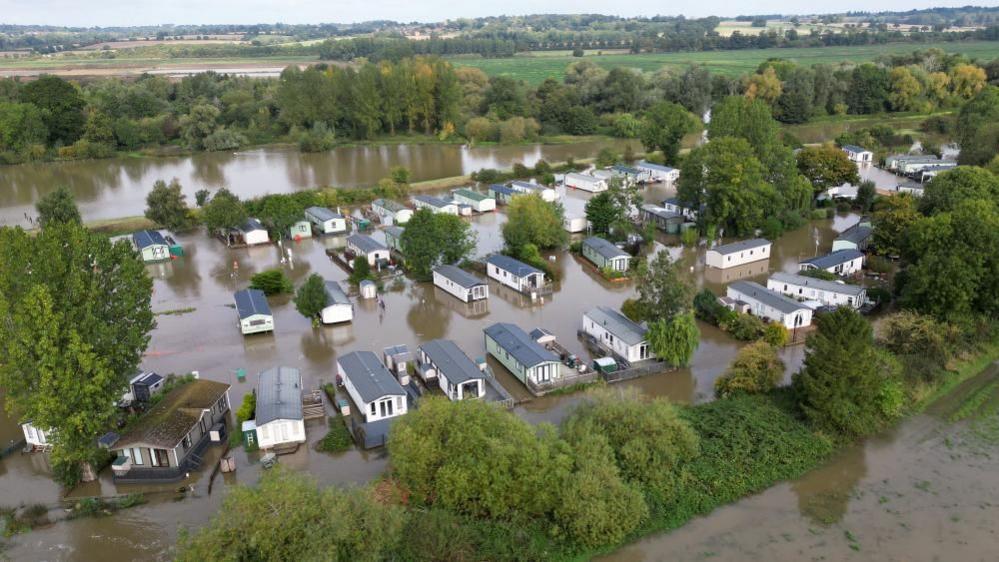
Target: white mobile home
151	245
770	305
574	224
279	417
585	182
326	221
301	229
460	283
371	386
457	376
391	212
857	237
840	262
253	233
858	154
829	293
515	274
35	438
435	204
658	172
548	194
364	245
479	202
738	253
617	332
674	205
254	312
338	306
524	357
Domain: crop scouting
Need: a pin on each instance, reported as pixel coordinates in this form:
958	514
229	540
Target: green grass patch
338	439
973	406
175	311
99	507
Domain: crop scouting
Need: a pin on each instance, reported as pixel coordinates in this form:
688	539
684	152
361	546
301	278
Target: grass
535	69
175	312
338	439
828	127
99	507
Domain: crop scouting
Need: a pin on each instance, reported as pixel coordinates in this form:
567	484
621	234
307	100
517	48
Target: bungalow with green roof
479	202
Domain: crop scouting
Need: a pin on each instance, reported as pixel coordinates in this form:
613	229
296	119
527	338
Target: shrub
757	369
246	409
337	439
776	334
361	270
745	327
271	282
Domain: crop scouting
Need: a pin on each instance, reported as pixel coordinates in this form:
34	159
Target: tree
924	344
22	125
201	197
310	299
74	322
271	282
223	211
166	205
891	218
603	212
360	270
674	340
869	88
977	129
826	166
967	80
843	383
764	86
756	369
905	89
947	190
431	239
199	124
57	207
61	105
795	102
532	220
866	192
280	212
664	127
663	292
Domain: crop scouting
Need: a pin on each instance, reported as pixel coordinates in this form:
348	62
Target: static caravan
338	307
460	283
515	274
35	438
674	205
617	332
663	219
829	293
548	194
391	212
524	357
457	376
377	394
658	172
769	305
479	202
151	245
858	154
738	253
393	237
254	233
253	311
603	254
840	262
301	229
326	221
364	245
435	204
857	237
585	182
503	194
575	224
628	174
279	415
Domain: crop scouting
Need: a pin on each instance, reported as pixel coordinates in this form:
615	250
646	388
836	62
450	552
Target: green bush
757	369
272	282
337	439
745	327
246	409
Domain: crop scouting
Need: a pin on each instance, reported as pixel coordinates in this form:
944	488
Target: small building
528	187
460	283
397	359
658	172
674	205
338	306
628	174
301	229
143	386
857	237
253	233
840	262
279	417
367	289
603	254
829	293
617	332
435	204
738	253
928	173
326	221
663	219
377	394
910	164
769	305
515	274
585	182
525	358
151	245
503	194
574	224
391	212
912	188
35	438
479	202
253	311
393	237
168	440
364	245
858	154
457	376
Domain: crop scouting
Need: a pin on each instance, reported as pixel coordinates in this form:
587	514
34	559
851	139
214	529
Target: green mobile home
524	357
603	254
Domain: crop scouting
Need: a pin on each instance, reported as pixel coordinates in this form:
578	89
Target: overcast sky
150	12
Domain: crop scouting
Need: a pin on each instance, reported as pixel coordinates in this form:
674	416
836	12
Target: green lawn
535	69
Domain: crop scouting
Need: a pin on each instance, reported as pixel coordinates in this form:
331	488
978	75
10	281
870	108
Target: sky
87	13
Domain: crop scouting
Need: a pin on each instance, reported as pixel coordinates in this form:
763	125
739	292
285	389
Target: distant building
151	245
828	293
326	221
377	394
585	182
338	306
279	417
659	173
391	212
253	311
840	262
758	300
858	154
738	253
460	283
253	233
618	333
435	204
604	254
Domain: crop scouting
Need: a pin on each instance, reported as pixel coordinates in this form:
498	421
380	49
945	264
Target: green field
535	69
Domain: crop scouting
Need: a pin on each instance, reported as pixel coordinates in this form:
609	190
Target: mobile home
828	293
663	219
460	283
391	212
457	376
364	245
514	273
617	332
371	386
840	262
253	233
338	306
326	221
658	173
603	254
279	415
585	182
479	202
435	204
253	311
858	154
738	253
770	305
524	357
548	194
151	245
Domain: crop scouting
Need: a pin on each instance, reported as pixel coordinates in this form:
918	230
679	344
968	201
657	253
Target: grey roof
451	361
820	284
586	177
914	158
431	200
618	324
502	189
766	296
516	267
368	376
538	333
148	378
518	344
741	245
279	395
651	166
365	243
660	212
395	231
398	352
323	214
251	224
250	302
854	148
459	276
335	294
145	238
624	169
856	233
604	248
389	205
833	259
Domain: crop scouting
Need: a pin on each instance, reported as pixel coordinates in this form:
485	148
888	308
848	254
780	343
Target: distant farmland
535	69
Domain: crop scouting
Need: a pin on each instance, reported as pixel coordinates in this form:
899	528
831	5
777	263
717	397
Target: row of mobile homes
840	262
376	393
460	283
857	237
770	305
528	187
167	441
827	293
604	254
912	164
617	332
503	194
435	204
280	419
658	172
253	311
515	274
393	237
575	224
858	154
663	219
391	212
585	182
674	205
325	221
530	362
738	253
151	245
363	245
457	376
479	202
338	306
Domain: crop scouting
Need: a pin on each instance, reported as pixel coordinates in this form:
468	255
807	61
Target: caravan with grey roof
457	376
524	357
460	283
769	305
738	253
338	306
618	333
253	311
376	393
279	417
326	221
828	293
